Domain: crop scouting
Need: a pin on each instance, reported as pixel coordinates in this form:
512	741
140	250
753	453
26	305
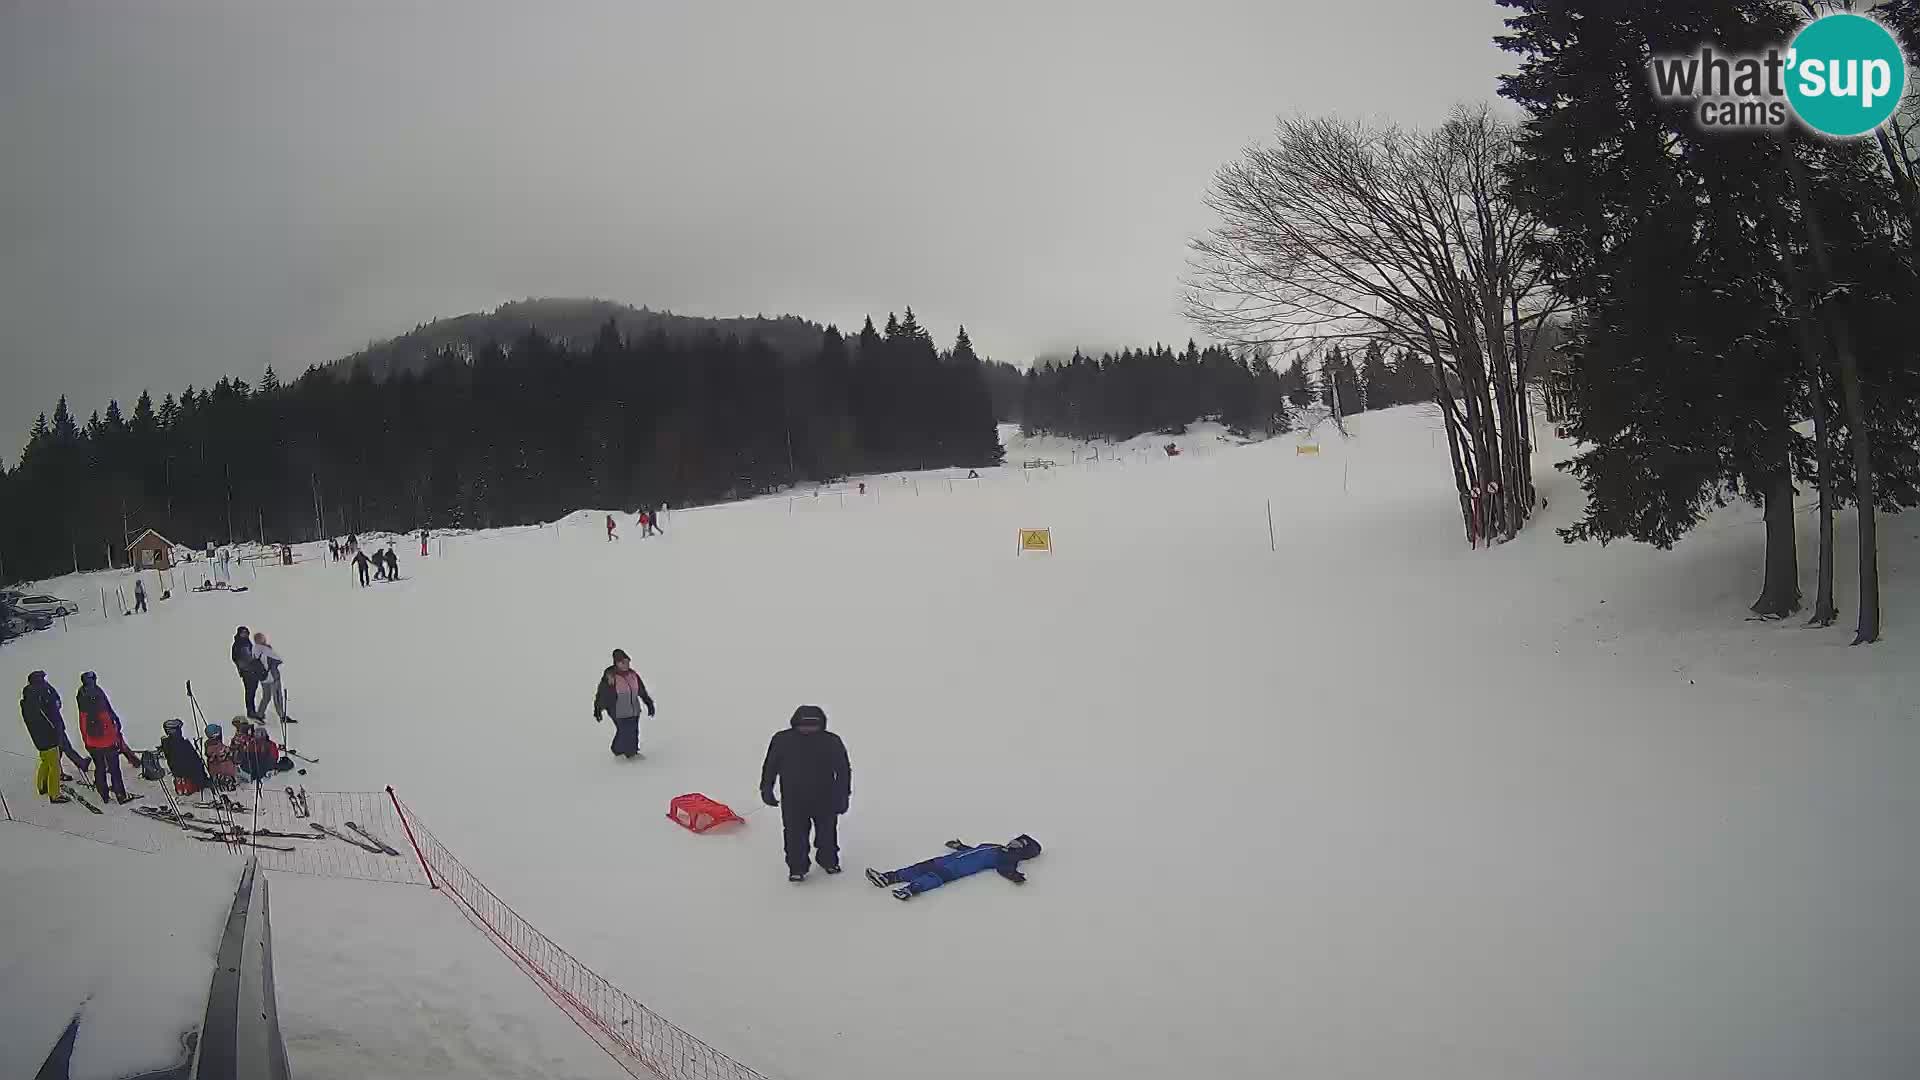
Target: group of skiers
252	755
648	520
810	767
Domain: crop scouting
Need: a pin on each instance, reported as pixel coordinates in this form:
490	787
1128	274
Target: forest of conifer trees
488	435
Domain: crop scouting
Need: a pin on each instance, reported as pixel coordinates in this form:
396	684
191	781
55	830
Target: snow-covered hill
1350	801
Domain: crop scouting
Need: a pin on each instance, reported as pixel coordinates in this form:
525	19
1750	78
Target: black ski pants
798	820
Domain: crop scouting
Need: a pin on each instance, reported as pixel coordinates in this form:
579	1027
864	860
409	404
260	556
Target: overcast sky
193	189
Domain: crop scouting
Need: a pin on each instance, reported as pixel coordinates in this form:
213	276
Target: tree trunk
1868	630
1811	355
1824	611
1780	594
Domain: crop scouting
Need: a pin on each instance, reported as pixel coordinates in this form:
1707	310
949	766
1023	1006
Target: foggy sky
189	190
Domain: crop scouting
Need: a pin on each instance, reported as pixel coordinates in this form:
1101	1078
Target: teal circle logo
1846	75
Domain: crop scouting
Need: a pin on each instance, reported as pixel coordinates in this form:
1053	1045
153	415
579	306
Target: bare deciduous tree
1343	231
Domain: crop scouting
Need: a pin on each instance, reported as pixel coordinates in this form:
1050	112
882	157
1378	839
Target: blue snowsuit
964	861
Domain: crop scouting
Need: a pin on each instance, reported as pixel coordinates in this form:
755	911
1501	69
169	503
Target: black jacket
245	662
812	768
40	708
183	760
603	696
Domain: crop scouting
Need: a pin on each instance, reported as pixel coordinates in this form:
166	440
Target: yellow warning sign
1036	540
1310	449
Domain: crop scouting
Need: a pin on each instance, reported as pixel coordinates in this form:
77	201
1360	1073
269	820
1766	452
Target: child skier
254	750
183	761
220	767
1004	859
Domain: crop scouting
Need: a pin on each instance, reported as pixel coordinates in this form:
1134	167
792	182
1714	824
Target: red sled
698	813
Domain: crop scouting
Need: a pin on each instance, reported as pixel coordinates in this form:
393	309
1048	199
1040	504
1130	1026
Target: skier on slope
273	687
360	564
423	543
42	718
962	860
183	761
621	694
393	564
100	731
611	535
816	783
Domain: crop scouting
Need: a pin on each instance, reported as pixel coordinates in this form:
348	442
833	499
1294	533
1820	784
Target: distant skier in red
611	535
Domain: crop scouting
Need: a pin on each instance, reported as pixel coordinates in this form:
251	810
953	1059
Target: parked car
41	604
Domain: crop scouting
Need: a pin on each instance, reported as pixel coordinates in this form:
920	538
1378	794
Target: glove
766	796
1017	878
841	806
596	718
649	709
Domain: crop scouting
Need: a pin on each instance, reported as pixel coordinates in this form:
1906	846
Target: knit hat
1024	846
213	731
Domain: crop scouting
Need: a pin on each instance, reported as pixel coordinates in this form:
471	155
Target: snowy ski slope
1370	805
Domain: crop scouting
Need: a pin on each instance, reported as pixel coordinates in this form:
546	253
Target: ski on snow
344	838
374	840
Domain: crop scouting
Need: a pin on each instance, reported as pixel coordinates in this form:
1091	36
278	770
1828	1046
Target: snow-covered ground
1369	805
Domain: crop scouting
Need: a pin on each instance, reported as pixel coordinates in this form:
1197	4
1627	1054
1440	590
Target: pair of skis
369	842
299	802
88	803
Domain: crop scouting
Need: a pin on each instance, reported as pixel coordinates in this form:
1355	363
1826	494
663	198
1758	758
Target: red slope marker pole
416	844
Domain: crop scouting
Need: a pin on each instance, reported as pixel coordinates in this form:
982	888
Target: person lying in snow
1004	859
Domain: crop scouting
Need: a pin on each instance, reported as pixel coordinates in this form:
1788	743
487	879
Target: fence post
1271	545
431	884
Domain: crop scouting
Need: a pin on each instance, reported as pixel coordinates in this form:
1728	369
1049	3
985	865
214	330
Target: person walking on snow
816	783
622	694
273	687
183	761
360	564
100	731
963	859
393	564
40	709
611	535
139	595
423	543
251	670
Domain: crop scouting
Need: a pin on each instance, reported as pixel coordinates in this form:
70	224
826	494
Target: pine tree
270	382
1376	379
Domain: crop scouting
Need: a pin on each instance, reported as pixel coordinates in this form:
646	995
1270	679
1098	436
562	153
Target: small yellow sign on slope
1036	540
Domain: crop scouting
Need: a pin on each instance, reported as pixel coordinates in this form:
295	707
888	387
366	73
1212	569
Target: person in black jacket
252	671
816	783
40	708
360	564
183	761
